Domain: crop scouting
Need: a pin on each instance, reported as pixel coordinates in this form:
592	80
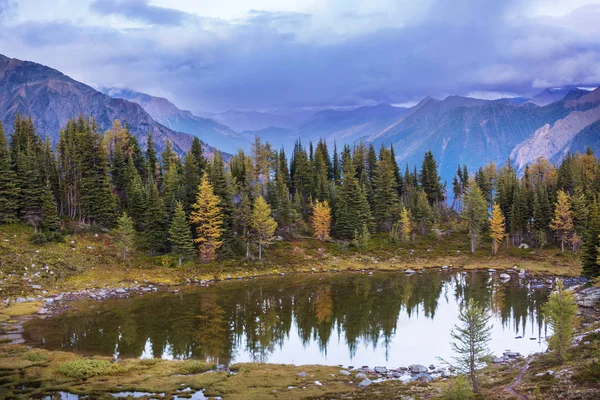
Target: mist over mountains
458	130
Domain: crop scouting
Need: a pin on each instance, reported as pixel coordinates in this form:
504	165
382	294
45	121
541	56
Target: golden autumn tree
562	222
407	225
321	220
497	227
263	225
208	219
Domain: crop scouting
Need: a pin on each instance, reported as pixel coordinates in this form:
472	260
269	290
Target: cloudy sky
280	54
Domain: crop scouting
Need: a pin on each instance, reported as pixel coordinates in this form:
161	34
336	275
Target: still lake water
386	319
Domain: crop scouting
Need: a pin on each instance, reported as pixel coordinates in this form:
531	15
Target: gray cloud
284	60
140	10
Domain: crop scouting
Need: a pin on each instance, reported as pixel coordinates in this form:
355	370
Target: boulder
523	246
364	383
360	375
301	374
417	369
423	378
588	297
380	370
505	277
344	372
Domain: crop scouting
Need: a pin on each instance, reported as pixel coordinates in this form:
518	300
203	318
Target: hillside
52	98
169	115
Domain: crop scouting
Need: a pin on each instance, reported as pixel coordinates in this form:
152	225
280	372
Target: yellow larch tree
321	220
407	225
208	220
263	225
497	227
562	222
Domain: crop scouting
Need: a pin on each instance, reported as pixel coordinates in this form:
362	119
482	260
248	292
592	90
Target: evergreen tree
198	154
49	214
475	212
519	214
9	192
125	235
422	212
180	236
471	339
208	220
352	210
362	237
221	187
190	180
497	227
155	226
396	168
386	205
560	311
589	256
430	180
321	220
152	166
263	225
337	171
562	223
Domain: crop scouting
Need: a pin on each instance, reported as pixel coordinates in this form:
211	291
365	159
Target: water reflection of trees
257	316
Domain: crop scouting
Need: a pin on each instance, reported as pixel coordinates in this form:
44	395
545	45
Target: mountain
349	126
551	95
52	98
167	114
277	136
258	120
579	129
461	130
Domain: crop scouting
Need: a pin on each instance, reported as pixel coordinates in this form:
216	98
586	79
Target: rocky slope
52	98
169	115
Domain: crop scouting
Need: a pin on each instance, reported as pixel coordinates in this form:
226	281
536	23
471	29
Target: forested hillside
162	203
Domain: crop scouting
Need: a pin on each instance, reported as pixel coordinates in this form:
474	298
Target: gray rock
380	370
301	374
588	297
423	377
364	383
344	372
523	246
120	290
417	369
432	366
228	276
360	375
36	287
505	277
512	354
499	360
409	272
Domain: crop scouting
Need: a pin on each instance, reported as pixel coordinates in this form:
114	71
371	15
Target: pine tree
497	227
152	166
362	237
50	219
263	225
352	209
407	225
125	235
180	236
560	310
422	211
475	212
562	223
589	256
221	187
198	154
321	220
8	190
385	196
155	227
519	214
208	220
430	180
471	339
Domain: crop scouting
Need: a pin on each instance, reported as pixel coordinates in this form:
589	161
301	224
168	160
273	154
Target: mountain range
458	130
52	98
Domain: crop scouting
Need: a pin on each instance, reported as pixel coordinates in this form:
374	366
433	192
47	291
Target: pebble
301	374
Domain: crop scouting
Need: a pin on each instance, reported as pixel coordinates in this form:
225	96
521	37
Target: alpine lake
356	319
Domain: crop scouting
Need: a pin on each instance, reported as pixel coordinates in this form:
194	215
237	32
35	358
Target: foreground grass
90	260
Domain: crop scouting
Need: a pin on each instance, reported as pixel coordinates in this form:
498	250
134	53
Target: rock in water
417	369
364	383
505	277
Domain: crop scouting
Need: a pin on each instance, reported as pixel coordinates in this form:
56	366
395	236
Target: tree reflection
257	317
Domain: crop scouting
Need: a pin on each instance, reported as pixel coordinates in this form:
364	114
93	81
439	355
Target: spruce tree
50	219
475	212
180	236
198	154
221	187
8	190
430	180
589	256
152	166
191	180
125	235
386	205
155	221
352	210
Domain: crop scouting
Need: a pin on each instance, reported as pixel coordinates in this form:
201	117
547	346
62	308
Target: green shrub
86	368
35	357
47	237
194	367
458	388
150	361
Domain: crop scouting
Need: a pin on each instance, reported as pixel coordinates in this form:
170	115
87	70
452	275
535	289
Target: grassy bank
90	260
